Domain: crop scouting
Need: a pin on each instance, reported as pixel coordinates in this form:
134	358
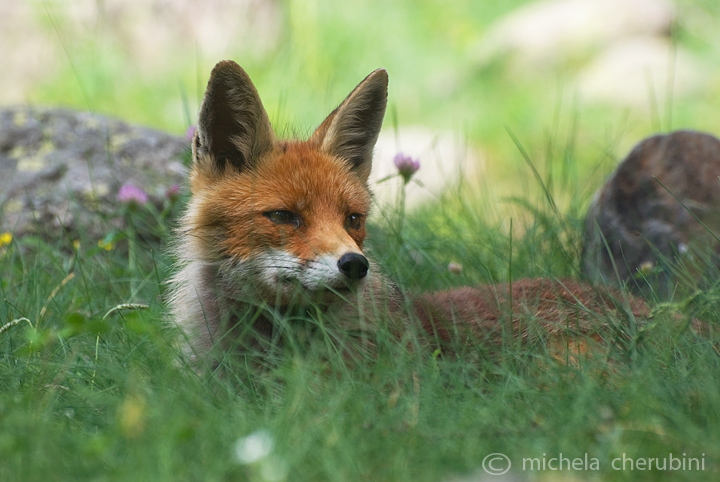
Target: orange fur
295	177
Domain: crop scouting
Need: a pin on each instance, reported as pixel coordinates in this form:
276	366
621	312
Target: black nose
353	265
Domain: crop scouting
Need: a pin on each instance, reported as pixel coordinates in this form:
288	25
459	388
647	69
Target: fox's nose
354	266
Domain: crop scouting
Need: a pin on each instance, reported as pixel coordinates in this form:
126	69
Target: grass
90	392
93	392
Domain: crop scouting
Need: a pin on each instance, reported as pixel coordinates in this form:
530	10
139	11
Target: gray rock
656	219
60	171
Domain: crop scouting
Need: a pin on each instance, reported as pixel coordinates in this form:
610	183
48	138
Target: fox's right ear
233	127
350	131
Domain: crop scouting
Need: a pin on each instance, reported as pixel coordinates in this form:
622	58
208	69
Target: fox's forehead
296	175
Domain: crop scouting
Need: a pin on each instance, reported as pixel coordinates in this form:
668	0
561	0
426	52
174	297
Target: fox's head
276	217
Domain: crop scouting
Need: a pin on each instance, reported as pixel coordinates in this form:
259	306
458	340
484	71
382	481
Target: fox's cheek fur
281	273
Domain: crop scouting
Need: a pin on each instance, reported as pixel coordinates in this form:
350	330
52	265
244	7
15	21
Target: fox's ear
233	127
351	130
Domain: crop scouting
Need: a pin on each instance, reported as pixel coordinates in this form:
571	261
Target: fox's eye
354	221
283	217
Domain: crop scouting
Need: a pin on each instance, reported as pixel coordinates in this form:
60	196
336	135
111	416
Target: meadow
90	383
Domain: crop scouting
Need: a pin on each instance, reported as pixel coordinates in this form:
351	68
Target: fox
275	229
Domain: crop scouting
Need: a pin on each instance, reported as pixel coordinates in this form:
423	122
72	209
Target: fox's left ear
351	130
233	127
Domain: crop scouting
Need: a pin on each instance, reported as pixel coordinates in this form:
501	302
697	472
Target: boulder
656	219
61	171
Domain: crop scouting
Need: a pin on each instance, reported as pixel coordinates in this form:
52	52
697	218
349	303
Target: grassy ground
89	391
93	393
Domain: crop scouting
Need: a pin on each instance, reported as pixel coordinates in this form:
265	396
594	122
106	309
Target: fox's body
275	226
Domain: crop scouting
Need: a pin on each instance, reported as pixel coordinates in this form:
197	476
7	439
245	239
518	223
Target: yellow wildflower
5	239
106	245
131	415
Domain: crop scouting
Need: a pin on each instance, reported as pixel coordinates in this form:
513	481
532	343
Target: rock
551	32
61	171
657	233
638	72
444	160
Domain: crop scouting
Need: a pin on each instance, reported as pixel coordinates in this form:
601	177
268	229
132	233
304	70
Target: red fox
276	226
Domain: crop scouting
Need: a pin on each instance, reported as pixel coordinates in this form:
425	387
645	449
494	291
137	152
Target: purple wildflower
190	132
406	166
172	192
131	194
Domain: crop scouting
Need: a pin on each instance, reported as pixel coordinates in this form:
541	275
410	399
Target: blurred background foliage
453	67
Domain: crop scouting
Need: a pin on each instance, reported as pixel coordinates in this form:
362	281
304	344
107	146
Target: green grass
88	392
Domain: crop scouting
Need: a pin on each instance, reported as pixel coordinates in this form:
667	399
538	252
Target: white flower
254	447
